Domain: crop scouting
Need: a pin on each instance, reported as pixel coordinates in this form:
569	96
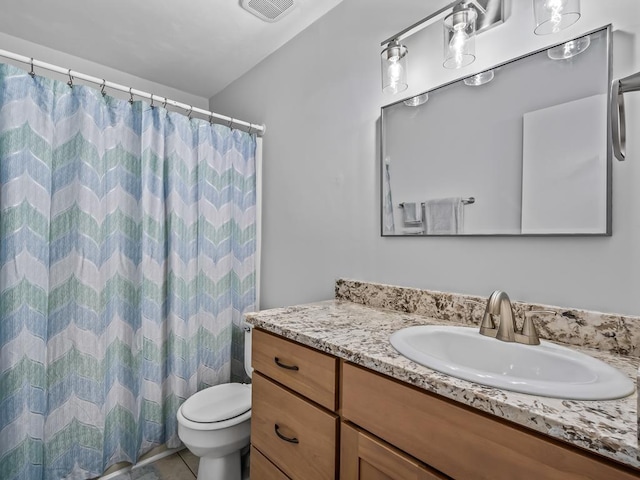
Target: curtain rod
221	119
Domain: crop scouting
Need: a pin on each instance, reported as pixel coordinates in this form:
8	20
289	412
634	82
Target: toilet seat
217	407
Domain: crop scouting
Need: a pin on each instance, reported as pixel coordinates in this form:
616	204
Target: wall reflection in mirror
521	149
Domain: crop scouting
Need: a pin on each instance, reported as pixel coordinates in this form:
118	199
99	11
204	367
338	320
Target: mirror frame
608	31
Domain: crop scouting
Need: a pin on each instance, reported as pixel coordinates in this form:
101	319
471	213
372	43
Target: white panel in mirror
562	185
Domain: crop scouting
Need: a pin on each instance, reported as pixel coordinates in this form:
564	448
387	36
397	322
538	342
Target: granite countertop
360	334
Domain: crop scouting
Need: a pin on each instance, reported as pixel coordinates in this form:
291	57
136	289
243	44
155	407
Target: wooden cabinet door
364	457
460	441
263	469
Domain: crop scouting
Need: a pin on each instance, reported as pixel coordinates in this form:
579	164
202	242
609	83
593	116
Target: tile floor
179	466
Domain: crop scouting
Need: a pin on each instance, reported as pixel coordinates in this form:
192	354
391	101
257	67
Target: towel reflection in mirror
438	216
444	216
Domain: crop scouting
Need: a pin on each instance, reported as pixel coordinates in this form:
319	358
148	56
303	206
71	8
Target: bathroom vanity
333	399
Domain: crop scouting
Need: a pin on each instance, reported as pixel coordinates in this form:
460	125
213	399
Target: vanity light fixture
479	79
463	21
555	15
394	68
569	49
459	37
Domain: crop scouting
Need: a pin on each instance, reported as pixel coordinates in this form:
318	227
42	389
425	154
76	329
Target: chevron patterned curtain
127	258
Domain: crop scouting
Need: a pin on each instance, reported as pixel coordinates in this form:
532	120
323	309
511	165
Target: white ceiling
197	46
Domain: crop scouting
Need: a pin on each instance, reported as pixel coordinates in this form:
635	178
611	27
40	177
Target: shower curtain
127	259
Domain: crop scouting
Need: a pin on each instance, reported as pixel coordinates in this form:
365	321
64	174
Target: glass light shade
394	68
417	100
569	49
460	38
555	15
479	79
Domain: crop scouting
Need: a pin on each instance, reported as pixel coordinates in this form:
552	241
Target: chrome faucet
499	306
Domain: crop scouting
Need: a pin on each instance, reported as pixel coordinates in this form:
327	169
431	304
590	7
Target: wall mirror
526	153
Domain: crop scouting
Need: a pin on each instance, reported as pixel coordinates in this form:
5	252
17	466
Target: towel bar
465	201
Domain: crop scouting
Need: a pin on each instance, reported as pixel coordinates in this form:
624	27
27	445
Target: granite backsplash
618	334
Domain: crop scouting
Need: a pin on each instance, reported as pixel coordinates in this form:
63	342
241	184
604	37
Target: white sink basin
547	369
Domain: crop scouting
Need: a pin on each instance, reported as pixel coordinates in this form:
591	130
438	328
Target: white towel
444	216
411	214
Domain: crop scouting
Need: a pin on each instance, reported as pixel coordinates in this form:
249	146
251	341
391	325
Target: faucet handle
487	324
529	333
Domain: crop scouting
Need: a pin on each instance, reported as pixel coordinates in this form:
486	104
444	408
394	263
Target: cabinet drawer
458	441
306	371
297	436
263	469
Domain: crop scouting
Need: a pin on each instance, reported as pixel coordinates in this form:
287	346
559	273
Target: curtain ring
152	101
104	84
130	96
32	73
210	119
250	128
70	82
164	105
231	122
190	112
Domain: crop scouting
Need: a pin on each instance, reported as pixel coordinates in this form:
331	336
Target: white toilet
215	424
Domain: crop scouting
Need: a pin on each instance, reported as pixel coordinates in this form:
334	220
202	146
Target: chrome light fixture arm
420	24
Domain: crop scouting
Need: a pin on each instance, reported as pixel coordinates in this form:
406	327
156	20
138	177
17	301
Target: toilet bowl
215	425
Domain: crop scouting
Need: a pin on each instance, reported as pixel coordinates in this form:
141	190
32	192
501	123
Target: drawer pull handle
282	365
286	439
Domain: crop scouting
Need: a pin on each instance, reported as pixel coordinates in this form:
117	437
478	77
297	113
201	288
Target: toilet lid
218	403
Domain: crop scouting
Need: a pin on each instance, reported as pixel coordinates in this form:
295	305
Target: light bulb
395	73
556	8
553	16
458	43
459	38
394	68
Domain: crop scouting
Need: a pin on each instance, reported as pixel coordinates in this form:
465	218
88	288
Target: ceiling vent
268	10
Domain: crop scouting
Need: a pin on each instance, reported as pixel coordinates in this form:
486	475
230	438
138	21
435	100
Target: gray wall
56	57
320	96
